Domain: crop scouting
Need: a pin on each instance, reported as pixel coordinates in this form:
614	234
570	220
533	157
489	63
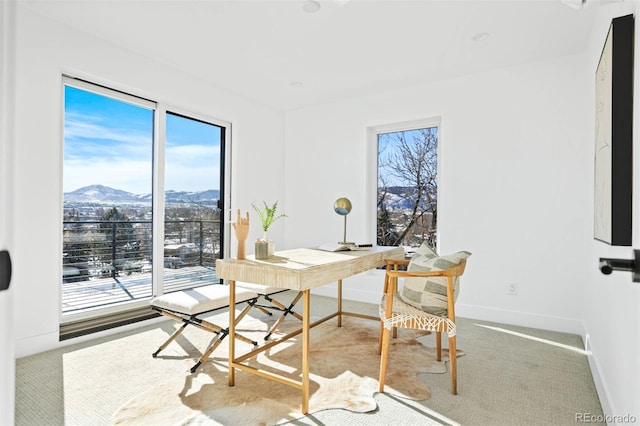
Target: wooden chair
394	313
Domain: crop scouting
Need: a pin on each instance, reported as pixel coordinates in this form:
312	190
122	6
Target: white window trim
372	162
113	93
159	137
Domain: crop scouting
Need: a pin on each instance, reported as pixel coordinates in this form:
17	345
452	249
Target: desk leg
339	303
305	350
232	331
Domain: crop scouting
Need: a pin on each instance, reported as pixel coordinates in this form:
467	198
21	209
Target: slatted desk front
301	270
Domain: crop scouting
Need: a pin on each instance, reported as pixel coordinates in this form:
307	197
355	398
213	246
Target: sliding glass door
142	202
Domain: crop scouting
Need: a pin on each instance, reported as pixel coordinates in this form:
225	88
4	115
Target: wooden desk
302	270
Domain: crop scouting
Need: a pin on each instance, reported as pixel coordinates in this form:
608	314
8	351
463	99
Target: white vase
264	249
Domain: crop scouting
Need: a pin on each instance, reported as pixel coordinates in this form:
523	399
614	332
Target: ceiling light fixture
575	4
310	6
480	37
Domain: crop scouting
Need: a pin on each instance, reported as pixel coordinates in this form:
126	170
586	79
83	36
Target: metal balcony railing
108	262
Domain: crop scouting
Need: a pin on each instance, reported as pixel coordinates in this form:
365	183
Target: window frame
372	162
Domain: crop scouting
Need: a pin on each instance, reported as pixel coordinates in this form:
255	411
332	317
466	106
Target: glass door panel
107	179
193	215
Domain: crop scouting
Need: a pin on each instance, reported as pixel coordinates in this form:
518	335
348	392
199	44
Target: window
407	184
125	160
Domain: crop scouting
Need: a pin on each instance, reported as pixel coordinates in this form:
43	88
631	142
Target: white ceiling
275	53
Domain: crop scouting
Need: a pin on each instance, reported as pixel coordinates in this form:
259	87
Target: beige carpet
344	374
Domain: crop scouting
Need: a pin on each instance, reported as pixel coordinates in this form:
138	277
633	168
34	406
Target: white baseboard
524	319
367	287
36	344
46	342
598	380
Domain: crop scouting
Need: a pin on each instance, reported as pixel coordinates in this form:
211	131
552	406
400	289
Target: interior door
7	354
7	345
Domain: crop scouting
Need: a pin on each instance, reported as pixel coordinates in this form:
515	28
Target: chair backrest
432	282
456	271
452	273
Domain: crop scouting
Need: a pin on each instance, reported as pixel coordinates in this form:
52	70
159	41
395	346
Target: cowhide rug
344	369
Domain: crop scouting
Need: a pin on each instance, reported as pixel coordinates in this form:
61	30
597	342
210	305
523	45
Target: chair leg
283	308
263	310
453	364
383	359
384	291
287	311
224	333
171	339
394	334
438	346
208	352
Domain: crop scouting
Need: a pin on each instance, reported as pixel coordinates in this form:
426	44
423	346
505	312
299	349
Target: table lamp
342	206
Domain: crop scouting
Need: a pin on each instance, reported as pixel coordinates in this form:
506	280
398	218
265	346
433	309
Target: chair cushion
426	250
201	299
430	293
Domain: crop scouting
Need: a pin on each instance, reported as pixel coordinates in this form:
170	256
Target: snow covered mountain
103	194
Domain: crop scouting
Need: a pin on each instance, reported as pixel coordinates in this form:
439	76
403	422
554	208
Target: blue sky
387	143
110	142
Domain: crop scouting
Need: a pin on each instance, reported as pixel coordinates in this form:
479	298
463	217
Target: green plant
267	214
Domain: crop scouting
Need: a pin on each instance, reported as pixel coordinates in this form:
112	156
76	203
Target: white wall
516	189
514	186
45	50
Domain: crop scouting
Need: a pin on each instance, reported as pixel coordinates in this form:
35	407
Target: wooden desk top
305	268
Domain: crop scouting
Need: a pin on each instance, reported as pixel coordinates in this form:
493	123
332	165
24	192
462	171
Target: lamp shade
342	206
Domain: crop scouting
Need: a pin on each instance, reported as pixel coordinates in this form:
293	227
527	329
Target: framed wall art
613	187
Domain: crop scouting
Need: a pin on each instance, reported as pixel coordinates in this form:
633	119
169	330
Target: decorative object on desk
613	189
342	206
344	247
241	226
265	247
348	379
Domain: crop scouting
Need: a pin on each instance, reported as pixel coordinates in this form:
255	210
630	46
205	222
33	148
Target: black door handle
5	270
607	265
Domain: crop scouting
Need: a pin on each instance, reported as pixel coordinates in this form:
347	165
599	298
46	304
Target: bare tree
407	187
